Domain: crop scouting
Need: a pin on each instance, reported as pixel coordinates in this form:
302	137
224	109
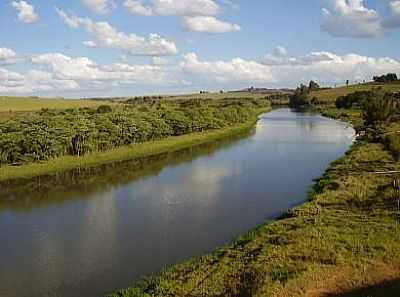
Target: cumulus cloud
84	69
32	82
58	73
196	15
208	24
286	71
137	7
236	70
26	12
107	36
394	20
7	56
99	6
351	18
61	74
174	7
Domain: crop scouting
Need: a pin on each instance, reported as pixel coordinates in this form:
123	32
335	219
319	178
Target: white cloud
84	69
280	56
99	6
208	24
236	70
32	82
7	56
26	12
57	73
394	20
325	67
196	15
136	7
109	37
351	18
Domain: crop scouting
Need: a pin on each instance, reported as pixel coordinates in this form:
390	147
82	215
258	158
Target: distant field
330	95
20	104
216	96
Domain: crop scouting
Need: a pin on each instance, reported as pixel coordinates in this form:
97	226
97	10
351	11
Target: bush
379	109
355	99
104	109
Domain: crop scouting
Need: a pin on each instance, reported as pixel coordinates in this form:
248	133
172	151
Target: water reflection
88	233
84	182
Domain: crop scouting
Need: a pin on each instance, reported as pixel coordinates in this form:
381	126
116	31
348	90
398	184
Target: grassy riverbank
343	242
130	152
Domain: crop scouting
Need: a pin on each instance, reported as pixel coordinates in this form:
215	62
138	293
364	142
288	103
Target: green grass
345	237
23	104
123	153
329	96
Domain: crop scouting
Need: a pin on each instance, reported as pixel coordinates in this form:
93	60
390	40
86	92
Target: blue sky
84	48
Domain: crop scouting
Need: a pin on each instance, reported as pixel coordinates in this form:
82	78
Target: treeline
387	78
50	134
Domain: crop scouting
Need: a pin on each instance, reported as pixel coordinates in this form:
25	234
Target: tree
313	86
379	109
390	77
300	97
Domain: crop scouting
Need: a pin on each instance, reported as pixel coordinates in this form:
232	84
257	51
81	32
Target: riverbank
125	153
345	239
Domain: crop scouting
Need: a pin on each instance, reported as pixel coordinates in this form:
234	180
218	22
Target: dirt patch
378	280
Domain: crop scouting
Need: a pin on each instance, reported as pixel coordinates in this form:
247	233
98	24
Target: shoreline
310	244
125	153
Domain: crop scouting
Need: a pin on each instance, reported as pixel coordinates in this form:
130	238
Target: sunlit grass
19	104
329	96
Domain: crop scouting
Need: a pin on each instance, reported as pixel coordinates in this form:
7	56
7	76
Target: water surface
88	233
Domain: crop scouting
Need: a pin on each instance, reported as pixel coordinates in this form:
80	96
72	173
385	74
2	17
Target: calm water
87	233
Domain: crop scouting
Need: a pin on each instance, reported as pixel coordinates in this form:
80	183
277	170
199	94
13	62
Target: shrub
104	109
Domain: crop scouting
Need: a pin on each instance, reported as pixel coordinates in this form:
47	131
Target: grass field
22	104
123	153
329	96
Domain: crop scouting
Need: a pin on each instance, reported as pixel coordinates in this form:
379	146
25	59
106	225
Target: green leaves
50	134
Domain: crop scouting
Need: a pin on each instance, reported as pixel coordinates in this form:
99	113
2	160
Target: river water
87	233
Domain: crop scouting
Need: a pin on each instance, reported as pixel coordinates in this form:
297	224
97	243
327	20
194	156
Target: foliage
300	98
355	99
390	77
379	109
49	134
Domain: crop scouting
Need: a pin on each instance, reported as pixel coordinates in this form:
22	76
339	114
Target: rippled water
87	233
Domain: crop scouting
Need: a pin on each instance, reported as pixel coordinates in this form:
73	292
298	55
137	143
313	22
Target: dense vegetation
54	133
302	97
390	77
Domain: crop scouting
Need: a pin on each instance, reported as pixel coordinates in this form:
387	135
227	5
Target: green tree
300	98
379	109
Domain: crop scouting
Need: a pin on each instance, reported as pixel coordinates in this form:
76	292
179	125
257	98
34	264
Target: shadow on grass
386	289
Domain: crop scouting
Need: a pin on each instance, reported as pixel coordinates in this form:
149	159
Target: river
87	233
